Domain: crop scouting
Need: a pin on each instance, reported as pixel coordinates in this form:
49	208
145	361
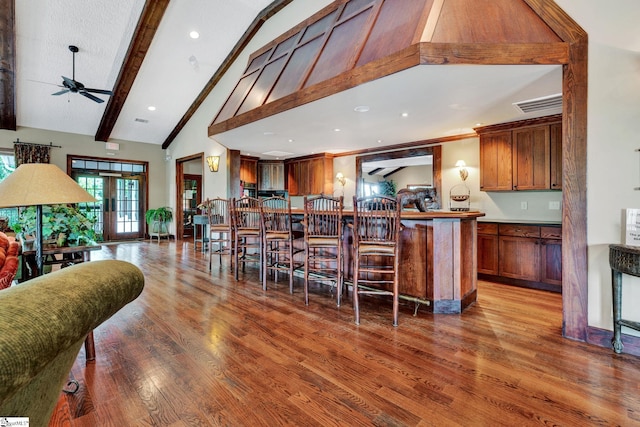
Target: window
7	165
370	188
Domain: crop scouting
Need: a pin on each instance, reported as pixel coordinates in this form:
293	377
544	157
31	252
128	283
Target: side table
200	223
622	259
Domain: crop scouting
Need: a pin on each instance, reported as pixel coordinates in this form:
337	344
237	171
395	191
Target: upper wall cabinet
249	169
271	175
310	175
525	155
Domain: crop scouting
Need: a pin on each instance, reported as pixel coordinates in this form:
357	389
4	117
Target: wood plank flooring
200	349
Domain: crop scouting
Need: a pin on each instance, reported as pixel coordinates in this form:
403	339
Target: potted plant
61	224
158	220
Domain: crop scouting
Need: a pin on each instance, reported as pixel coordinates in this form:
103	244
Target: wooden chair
376	237
220	230
247	234
323	242
278	237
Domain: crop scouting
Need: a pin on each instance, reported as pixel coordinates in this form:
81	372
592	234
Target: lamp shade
33	184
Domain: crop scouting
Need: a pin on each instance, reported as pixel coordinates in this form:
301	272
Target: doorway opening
189	191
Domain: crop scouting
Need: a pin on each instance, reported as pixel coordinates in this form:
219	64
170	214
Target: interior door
119	209
191	197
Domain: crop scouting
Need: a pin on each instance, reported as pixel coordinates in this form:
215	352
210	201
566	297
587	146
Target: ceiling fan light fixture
74	86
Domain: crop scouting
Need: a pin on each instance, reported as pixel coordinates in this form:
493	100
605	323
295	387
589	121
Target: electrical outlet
524	205
555	206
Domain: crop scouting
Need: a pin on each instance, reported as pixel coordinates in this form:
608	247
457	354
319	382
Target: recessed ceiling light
336	130
379	141
478	124
361	108
405	114
194	34
290	140
151	108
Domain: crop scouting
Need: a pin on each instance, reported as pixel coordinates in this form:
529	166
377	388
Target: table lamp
38	184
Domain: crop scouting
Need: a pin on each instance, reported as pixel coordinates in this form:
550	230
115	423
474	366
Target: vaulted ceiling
142	50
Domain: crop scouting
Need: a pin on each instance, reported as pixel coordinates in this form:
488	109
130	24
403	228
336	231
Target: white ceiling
440	100
102	30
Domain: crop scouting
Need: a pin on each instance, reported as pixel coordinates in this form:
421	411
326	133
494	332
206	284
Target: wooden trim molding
602	338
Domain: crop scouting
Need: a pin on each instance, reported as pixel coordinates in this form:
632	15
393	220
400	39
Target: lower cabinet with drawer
521	254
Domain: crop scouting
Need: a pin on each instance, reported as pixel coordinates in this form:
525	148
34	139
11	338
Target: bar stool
247	234
278	239
220	231
376	237
323	242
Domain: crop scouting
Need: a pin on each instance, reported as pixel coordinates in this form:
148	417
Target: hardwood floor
199	348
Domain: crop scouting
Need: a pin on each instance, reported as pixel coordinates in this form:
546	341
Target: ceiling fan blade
91	97
70	83
102	91
63	91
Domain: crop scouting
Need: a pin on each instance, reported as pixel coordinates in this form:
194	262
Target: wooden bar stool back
278	237
247	234
323	252
376	236
220	230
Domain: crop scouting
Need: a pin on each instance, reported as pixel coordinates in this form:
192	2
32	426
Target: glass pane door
118	211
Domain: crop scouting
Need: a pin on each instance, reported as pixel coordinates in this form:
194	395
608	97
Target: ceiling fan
74	86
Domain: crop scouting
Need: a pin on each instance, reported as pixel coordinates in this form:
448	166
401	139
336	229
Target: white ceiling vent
551	102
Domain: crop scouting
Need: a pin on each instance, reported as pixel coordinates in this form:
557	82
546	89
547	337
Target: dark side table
622	259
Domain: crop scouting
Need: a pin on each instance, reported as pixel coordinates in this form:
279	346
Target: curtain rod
17	141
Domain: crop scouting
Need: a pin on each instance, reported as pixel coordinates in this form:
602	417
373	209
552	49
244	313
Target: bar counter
438	258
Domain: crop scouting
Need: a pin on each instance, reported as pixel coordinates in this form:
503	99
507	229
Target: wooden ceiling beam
148	24
7	65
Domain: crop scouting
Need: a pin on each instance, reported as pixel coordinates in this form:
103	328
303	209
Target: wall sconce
213	162
464	173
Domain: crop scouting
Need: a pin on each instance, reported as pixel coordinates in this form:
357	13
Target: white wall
86	146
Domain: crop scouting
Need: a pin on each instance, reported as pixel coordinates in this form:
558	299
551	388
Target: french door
120	202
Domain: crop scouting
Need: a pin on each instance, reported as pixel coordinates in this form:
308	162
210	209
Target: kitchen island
438	259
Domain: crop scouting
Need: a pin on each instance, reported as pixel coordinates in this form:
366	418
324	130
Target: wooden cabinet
488	248
551	255
496	162
249	169
525	155
270	175
521	254
310	175
531	159
555	137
